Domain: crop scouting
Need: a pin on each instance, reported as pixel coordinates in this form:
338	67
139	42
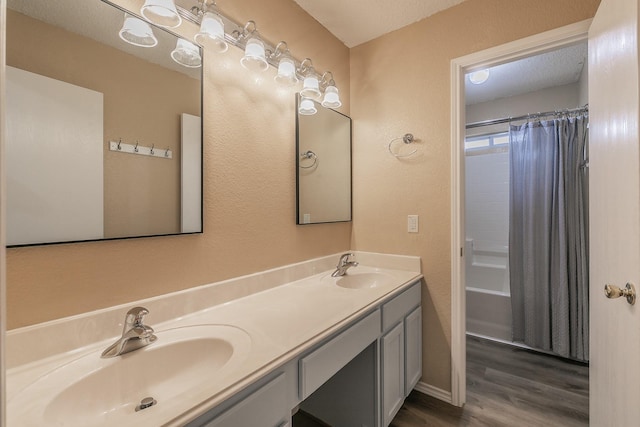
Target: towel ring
406	139
308	155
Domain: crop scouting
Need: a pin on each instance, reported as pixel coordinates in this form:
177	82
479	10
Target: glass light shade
137	32
479	77
187	54
331	98
307	107
254	57
310	86
161	12
211	34
286	72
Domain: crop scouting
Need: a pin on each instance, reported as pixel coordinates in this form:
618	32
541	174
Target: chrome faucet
135	334
343	265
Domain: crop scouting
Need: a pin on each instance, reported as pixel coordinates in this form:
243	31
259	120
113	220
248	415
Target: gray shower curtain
548	235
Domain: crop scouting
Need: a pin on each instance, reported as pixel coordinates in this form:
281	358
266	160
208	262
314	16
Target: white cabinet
265	407
392	377
400	350
413	349
359	376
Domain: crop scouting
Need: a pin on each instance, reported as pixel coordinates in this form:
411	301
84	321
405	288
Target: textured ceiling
556	68
357	21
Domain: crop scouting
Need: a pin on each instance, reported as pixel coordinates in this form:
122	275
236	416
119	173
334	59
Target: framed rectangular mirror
323	152
104	137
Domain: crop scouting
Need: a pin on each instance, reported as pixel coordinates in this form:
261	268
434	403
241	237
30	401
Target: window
487	141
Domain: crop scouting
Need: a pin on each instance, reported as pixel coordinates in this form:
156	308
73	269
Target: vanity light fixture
331	95
187	54
286	65
307	107
217	31
254	54
161	12
211	34
310	84
137	32
479	77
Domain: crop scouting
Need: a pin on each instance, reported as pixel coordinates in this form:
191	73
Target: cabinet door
392	372
413	349
266	407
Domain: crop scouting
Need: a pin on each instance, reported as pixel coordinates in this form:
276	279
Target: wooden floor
508	386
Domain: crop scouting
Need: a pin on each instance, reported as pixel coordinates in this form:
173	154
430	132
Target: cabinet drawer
324	362
396	309
266	407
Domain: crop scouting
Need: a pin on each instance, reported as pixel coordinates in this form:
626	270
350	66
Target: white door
614	213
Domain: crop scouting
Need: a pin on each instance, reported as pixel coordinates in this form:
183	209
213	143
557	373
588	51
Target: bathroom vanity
347	350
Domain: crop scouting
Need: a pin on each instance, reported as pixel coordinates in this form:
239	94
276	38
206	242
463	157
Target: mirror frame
297	165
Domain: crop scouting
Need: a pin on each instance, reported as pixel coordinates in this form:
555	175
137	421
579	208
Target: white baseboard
432	391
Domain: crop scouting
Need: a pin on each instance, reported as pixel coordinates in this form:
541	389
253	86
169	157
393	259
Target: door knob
629	292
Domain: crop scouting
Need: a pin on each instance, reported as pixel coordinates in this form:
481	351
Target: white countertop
282	322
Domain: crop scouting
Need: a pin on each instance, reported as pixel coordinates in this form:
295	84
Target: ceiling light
307	107
161	12
137	32
211	34
479	77
187	54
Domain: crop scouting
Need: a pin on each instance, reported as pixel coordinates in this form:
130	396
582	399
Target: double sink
180	365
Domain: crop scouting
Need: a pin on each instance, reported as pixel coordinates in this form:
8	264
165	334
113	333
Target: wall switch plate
412	223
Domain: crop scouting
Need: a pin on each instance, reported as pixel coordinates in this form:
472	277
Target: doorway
531	46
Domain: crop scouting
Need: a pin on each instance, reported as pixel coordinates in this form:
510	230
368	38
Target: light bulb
331	98
137	32
187	54
254	56
211	34
286	72
311	86
161	12
307	107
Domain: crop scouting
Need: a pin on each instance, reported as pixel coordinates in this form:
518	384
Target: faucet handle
345	257
135	317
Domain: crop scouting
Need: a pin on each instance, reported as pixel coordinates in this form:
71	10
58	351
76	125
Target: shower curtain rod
526	116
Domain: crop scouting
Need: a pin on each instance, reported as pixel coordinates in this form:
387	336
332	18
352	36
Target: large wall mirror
323	149
104	137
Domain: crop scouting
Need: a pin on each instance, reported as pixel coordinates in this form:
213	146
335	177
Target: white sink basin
94	391
361	278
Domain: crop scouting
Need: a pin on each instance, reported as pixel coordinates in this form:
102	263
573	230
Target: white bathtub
487	291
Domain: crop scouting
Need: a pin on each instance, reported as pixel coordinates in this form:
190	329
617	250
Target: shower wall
487	254
487	208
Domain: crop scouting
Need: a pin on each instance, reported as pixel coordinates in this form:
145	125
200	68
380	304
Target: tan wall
249	191
400	83
141	194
